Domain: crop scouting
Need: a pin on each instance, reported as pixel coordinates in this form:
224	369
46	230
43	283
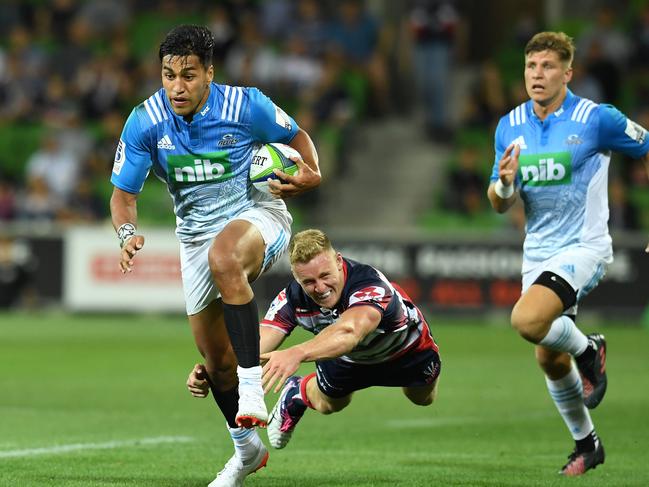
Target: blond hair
558	42
305	245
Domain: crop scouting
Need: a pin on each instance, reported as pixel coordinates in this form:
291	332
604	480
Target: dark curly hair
185	40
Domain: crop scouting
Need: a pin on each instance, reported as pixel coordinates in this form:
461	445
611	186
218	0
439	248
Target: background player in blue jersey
368	333
553	151
198	137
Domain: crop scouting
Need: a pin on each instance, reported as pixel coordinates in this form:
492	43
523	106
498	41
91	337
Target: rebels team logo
372	293
277	304
551	169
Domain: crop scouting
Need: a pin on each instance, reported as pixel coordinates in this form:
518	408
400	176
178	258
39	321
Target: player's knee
325	406
528	324
422	401
421	398
328	408
224	266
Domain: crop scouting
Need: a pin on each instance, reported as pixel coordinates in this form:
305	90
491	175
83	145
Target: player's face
322	278
546	78
187	83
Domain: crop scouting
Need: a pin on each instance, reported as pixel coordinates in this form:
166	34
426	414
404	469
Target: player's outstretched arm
501	194
308	175
123	210
334	341
269	339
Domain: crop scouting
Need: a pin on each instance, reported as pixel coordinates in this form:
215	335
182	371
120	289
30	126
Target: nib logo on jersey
199	168
546	169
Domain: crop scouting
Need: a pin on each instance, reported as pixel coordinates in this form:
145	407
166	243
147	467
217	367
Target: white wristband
505	192
124	232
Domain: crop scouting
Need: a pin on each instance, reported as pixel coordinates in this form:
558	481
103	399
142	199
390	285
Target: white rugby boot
287	412
235	471
252	408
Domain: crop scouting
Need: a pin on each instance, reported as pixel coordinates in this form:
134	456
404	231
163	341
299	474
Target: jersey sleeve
132	157
375	293
280	314
620	134
269	122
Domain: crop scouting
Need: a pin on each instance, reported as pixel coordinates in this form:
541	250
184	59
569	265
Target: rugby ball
269	157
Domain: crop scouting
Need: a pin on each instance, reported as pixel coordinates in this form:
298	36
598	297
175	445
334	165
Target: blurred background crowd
429	76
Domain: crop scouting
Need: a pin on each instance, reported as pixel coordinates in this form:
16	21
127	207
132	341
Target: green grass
68	380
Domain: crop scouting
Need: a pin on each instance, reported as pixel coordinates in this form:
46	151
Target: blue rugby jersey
204	163
402	327
563	172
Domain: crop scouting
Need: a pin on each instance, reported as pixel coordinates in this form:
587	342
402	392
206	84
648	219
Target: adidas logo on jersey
520	141
165	143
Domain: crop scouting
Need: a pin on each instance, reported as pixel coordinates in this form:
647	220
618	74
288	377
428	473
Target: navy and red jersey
402	328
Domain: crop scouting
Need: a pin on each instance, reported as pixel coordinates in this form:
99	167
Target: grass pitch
100	401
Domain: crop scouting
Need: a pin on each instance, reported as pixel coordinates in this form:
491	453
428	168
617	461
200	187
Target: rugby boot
286	413
252	408
580	462
592	368
235	471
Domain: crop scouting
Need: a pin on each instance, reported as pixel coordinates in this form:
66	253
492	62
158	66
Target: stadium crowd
70	71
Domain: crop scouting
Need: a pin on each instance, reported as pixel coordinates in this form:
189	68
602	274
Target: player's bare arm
123	210
501	194
334	341
308	175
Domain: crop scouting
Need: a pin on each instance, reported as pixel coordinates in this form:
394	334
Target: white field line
108	445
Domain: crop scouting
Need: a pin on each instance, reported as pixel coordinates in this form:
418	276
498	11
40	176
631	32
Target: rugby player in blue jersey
553	153
367	333
198	137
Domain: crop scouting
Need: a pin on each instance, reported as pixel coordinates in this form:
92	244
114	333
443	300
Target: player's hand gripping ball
269	157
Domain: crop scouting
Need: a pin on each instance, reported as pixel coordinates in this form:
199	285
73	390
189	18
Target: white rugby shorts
580	267
273	222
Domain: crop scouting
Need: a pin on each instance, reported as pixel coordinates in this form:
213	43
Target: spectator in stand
432	25
17	264
57	167
605	50
465	183
356	35
7	199
311	28
37	203
586	85
222	25
251	61
487	100
22	76
622	214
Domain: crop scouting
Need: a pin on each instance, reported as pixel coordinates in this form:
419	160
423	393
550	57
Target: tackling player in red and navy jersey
367	333
198	137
